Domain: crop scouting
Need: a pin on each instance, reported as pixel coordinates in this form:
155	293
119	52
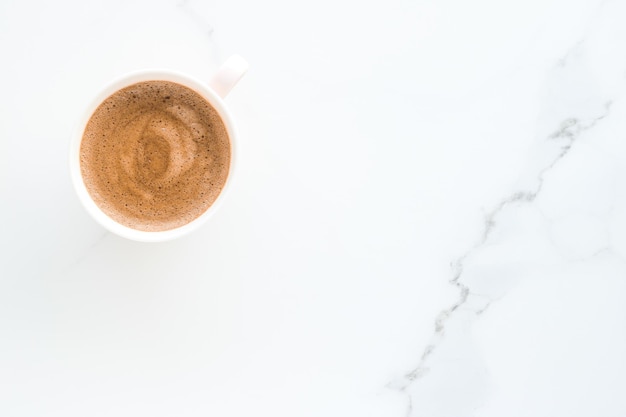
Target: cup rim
126	80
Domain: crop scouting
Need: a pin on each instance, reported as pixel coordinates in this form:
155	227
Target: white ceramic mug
214	92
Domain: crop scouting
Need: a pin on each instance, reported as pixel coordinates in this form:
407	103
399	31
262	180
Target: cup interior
93	209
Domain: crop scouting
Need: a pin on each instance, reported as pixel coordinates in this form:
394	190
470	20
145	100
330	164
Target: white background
428	219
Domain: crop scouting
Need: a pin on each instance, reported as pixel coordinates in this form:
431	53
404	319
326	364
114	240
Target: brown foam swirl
155	155
158	149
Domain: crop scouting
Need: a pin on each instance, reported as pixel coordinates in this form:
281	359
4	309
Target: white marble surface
429	218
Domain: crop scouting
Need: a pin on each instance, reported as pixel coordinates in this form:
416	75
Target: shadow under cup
153	155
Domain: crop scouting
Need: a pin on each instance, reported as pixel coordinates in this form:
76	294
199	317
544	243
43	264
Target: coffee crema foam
155	156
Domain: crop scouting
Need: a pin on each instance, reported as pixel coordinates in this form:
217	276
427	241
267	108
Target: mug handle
228	75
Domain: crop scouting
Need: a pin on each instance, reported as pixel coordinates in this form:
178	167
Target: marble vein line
88	251
568	132
202	23
205	27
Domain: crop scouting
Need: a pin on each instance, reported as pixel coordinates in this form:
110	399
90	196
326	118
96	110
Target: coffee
155	155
